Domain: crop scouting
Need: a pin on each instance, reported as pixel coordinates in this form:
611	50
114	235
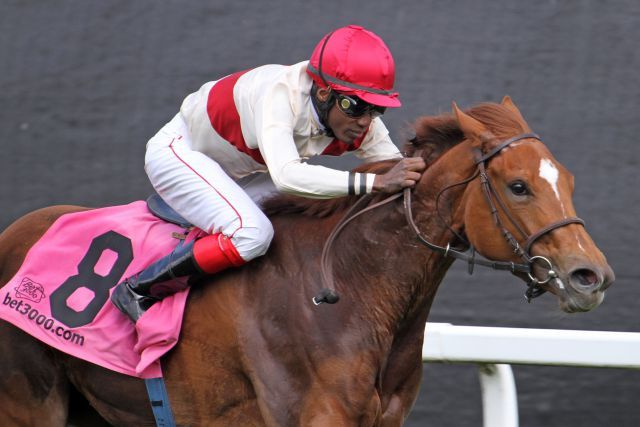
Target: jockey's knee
254	240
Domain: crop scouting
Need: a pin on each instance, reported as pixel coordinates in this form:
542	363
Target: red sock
215	253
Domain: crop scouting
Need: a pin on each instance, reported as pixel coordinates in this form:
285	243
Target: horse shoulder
205	370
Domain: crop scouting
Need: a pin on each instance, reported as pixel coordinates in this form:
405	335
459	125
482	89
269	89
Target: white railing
495	348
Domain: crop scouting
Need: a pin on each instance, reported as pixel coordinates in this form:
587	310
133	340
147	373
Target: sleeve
377	144
275	118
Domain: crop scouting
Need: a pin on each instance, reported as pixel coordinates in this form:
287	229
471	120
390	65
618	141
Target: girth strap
159	400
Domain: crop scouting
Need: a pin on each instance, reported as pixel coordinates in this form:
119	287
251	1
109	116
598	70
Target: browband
499	148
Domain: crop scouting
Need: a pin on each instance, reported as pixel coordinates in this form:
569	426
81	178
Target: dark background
84	84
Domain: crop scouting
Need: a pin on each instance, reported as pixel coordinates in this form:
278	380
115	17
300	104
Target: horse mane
434	136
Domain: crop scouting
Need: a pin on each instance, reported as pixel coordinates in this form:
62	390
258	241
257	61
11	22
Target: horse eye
519	188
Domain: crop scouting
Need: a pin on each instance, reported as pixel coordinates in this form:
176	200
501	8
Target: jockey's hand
404	174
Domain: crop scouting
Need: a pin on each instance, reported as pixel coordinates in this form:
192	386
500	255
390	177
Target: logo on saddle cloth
28	289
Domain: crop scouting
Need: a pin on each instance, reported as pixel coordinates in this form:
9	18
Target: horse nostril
609	278
585	277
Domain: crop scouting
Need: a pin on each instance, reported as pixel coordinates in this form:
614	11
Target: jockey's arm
274	124
291	175
378	146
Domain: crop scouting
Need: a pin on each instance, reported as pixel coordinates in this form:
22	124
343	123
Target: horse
260	346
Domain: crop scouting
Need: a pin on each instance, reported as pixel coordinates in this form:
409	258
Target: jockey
265	122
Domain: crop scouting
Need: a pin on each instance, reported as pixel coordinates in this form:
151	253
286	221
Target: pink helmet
355	61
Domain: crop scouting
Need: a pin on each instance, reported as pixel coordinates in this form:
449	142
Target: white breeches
198	189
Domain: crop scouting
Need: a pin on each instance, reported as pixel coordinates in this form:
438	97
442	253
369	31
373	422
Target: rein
328	293
534	289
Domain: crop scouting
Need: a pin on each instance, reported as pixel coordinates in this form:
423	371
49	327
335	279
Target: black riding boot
136	294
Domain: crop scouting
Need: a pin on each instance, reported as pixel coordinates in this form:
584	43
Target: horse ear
508	102
511	106
472	128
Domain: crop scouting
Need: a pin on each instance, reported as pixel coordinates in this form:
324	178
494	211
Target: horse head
511	200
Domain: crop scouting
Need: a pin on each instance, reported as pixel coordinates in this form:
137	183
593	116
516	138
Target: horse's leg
200	391
204	375
81	413
295	389
33	387
402	377
331	410
205	384
399	402
119	399
343	388
342	398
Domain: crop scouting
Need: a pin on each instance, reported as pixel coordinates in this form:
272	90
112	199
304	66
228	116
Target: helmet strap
323	107
320	59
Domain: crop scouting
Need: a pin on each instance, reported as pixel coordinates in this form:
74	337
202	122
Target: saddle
158	207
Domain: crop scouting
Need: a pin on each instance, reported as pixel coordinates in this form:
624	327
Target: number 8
88	278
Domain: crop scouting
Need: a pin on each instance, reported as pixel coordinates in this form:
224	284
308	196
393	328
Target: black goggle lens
356	107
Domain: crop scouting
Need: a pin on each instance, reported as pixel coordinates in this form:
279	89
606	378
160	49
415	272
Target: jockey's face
346	129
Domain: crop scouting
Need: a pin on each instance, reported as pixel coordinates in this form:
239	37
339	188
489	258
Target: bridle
533	284
534	288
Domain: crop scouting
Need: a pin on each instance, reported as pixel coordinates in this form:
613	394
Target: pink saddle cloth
60	294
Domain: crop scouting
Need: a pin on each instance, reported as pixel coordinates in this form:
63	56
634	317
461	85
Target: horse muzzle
581	288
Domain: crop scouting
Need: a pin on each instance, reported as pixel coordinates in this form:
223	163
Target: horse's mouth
575	301
581	288
571	305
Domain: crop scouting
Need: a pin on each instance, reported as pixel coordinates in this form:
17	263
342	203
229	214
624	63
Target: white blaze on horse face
549	173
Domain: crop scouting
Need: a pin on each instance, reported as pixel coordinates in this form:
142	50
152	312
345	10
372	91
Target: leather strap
159	400
535	236
504	144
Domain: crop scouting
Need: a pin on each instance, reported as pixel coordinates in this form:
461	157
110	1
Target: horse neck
386	265
453	167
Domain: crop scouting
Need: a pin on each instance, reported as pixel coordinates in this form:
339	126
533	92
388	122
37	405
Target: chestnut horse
256	351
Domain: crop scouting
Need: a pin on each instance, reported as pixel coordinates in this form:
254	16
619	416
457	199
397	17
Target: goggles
355	107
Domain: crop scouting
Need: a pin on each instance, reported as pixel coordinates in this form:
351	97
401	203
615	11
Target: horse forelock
434	135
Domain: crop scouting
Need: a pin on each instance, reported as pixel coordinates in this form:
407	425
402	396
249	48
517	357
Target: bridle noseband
328	294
